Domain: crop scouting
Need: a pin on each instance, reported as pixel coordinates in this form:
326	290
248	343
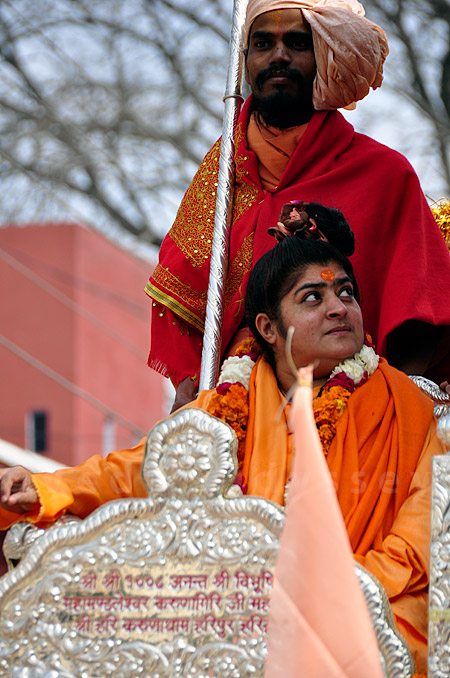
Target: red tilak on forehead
327	274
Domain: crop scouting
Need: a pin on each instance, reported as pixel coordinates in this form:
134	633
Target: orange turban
349	49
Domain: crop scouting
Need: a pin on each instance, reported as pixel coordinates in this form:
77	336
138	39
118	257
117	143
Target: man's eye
301	44
261	44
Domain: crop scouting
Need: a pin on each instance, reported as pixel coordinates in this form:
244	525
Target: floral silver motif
187	448
187	460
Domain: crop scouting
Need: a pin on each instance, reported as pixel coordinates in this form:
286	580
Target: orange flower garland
232	407
328	408
441	212
248	347
230	401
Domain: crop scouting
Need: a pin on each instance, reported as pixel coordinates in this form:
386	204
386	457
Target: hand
445	386
185	393
17	492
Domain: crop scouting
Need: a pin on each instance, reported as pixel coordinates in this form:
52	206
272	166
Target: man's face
280	67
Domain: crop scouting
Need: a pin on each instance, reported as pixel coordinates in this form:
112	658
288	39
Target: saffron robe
401	261
379	462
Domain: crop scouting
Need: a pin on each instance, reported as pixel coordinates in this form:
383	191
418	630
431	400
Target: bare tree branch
419	32
106	109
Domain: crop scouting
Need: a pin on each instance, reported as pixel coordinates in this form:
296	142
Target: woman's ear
266	327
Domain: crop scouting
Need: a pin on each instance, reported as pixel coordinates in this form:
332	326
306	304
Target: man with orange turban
304	60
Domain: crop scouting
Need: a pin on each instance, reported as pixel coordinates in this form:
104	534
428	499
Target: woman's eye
346	292
311	296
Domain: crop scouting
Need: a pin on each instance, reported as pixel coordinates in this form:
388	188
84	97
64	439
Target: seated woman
377	429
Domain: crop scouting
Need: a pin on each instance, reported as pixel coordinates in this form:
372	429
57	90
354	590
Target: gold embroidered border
244	194
173	305
244	197
194	223
193	228
239	135
239	159
194	298
238	267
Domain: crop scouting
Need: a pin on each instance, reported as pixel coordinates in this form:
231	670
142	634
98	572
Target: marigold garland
248	347
441	212
328	408
230	401
231	405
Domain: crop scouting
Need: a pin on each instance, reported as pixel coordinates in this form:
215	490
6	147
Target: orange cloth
381	468
380	462
305	636
273	148
333	165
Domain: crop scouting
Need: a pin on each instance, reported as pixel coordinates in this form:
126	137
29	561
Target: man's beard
283	109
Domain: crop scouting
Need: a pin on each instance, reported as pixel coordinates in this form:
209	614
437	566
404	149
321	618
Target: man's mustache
277	72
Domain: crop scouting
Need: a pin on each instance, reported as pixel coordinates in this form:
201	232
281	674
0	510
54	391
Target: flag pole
233	98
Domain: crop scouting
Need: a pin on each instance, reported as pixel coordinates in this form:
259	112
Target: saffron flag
319	624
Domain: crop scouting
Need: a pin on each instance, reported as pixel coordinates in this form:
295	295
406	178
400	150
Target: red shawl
401	260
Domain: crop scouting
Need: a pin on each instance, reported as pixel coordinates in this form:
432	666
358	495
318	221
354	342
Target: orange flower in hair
295	220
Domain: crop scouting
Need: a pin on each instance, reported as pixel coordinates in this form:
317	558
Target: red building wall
74	303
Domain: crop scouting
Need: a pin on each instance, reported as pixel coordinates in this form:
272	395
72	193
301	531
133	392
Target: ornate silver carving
190	454
440	398
396	659
173	585
439	590
439	605
21	536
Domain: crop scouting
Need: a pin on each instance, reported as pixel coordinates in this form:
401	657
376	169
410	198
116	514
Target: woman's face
326	317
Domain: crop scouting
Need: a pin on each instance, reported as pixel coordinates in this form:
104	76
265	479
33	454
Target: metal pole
224	201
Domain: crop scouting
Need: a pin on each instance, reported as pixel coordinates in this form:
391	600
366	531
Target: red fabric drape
401	260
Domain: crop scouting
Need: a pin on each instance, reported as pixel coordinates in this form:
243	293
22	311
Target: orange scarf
380	463
374	445
372	458
273	147
375	460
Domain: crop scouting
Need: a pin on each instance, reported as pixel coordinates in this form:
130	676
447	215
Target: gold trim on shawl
240	265
192	230
245	195
175	306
